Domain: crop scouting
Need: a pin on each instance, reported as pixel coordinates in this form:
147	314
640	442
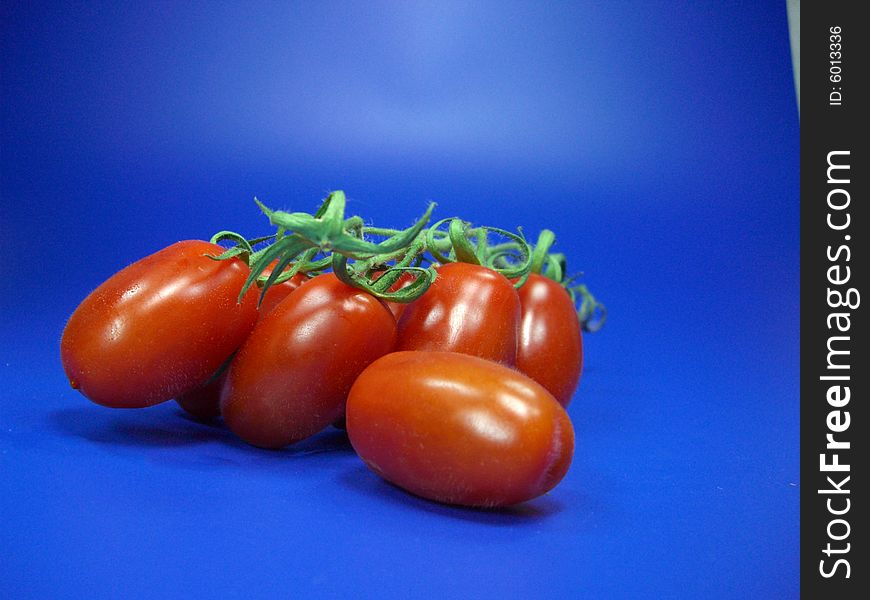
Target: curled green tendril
314	243
327	231
556	266
243	248
592	313
380	286
438	242
462	243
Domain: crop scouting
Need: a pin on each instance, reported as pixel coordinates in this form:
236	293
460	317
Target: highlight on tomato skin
468	309
291	377
550	348
158	328
459	429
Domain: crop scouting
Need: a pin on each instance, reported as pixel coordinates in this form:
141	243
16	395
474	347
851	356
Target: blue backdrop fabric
659	140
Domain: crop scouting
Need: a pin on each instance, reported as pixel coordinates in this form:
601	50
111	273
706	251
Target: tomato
291	377
204	402
276	293
158	328
458	429
468	309
550	349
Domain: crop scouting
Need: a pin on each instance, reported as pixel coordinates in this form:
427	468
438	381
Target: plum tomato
550	348
276	293
204	402
159	327
291	377
458	429
469	309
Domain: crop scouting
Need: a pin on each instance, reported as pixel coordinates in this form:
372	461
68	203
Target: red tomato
291	377
204	402
550	349
468	309
276	293
458	429
158	328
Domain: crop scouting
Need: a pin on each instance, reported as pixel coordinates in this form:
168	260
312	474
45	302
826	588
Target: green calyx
392	264
329	231
301	237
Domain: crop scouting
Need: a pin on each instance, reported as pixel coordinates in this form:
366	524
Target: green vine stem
462	243
542	250
315	243
463	251
301	236
379	287
331	232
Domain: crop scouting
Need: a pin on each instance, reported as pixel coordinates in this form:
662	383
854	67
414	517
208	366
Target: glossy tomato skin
550	349
158	328
276	293
458	429
291	377
468	309
204	402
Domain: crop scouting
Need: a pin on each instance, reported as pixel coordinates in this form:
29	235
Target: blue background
659	141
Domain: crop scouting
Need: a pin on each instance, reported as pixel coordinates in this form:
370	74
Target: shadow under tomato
363	481
141	428
163	427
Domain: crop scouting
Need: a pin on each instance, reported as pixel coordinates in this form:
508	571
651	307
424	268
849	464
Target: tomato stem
592	313
541	251
314	243
462	248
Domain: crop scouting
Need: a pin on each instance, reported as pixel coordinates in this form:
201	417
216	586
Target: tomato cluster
456	395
